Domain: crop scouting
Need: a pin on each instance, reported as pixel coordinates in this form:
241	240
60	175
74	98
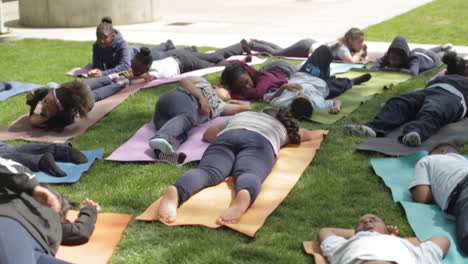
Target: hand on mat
393	230
128	74
95	73
336	108
204	107
46	198
92	203
147	77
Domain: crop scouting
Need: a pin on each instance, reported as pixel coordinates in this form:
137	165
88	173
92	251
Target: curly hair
286	118
230	75
455	64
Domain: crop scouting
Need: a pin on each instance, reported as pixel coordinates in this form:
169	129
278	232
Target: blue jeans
245	155
176	112
30	154
17	245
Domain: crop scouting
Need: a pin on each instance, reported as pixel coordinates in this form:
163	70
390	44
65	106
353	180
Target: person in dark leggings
32	218
4	86
442	178
60	106
42	157
302	48
424	111
178	110
247	83
244	147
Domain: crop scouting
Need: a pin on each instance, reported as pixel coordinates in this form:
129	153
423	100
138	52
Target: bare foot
167	211
237	209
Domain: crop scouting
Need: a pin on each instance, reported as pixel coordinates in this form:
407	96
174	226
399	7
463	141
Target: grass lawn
335	190
438	22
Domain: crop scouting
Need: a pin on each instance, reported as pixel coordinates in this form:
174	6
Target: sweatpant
245	155
101	88
17	245
431	59
298	49
285	68
318	64
220	55
30	154
159	51
424	111
458	206
176	112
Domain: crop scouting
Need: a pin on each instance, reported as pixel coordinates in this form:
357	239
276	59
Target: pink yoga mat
137	148
79	71
438	74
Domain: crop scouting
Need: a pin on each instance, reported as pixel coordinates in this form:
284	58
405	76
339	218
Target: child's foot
161	144
167	211
174	157
248	58
412	139
233	214
76	156
245	47
170	45
5	86
446	46
358	131
47	164
361	79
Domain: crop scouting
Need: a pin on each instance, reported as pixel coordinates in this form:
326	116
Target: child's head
285	117
372	223
455	64
301	108
236	78
396	58
444	148
142	62
354	39
105	33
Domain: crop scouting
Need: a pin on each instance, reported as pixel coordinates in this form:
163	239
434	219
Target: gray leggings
245	155
298	49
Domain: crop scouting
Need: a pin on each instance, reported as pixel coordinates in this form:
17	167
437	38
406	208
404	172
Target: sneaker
446	46
359	131
361	79
47	164
161	144
175	157
245	47
412	139
170	45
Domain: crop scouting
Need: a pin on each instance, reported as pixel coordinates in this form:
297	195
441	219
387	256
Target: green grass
335	190
438	22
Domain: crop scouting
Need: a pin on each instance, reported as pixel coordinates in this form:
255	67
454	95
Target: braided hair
286	118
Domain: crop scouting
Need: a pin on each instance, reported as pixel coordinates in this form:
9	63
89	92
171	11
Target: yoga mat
137	148
358	94
438	74
313	248
74	171
336	68
102	243
21	128
17	88
389	145
80	71
427	220
207	205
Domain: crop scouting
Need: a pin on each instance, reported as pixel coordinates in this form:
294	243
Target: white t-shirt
375	246
442	172
337	52
165	68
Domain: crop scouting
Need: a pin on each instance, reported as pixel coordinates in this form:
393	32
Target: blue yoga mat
17	88
73	171
427	220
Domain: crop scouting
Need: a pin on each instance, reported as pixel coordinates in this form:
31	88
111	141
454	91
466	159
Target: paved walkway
220	23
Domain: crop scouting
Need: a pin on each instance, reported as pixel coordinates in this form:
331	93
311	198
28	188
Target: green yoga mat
354	97
427	220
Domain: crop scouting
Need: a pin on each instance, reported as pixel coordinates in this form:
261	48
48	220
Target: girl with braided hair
244	147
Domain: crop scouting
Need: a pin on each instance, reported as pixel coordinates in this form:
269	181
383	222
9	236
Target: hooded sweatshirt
457	81
415	61
115	58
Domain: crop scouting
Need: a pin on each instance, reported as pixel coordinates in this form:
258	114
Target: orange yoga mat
100	247
206	206
313	248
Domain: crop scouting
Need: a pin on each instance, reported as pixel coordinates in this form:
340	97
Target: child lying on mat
350	48
401	59
425	111
32	218
42	157
61	105
178	110
374	242
247	83
244	147
311	87
442	177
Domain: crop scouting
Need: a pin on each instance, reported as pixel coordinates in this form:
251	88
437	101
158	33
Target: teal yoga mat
74	171
426	220
17	88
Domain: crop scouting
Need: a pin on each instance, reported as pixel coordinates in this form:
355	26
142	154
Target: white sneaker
358	131
412	139
161	144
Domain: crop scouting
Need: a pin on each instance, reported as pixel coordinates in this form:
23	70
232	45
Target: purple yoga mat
137	148
79	71
437	75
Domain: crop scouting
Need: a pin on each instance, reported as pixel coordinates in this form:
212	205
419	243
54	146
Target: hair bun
145	51
106	19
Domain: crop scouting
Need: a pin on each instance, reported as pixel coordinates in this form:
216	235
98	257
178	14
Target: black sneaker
245	47
175	157
47	164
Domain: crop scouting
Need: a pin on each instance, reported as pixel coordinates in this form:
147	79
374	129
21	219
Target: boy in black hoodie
400	58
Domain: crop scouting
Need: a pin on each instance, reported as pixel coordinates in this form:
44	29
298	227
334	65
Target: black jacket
459	82
16	185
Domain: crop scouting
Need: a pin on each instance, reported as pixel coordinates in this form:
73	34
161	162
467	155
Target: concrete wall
86	13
